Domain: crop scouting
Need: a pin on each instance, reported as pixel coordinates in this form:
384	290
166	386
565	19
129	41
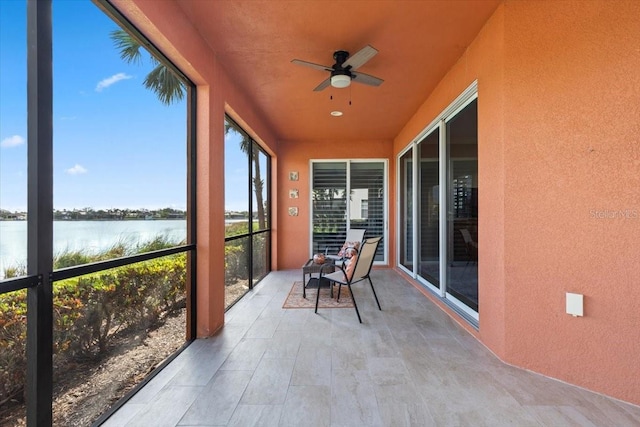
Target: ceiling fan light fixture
343	71
340	81
336	113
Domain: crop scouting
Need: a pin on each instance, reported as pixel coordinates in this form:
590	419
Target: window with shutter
347	194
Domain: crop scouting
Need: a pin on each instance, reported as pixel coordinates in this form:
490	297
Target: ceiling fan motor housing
340	76
340	56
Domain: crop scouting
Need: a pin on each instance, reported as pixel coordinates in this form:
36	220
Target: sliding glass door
441	249
429	212
462	194
405	236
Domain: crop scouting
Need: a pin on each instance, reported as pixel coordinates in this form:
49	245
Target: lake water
86	236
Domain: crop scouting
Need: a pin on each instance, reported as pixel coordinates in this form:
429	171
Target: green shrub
18	271
13	336
70	259
89	311
157	243
237	228
235	261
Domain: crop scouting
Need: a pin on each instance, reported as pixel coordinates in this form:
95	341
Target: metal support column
192	320
39	384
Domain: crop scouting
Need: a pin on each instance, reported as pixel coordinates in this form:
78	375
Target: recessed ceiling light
336	113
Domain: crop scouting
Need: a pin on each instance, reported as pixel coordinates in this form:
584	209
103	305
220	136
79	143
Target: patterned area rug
295	300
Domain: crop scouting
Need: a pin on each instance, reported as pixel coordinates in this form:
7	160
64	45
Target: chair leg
339	288
374	293
317	296
353	298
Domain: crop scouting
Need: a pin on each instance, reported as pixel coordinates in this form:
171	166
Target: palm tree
247	146
161	80
169	89
258	185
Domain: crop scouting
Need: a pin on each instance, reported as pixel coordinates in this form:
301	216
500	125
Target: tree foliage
161	80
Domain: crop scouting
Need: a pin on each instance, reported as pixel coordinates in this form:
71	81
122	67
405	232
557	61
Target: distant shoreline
105	219
228	220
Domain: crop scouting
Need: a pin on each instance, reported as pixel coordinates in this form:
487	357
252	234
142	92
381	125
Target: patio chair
353	240
357	270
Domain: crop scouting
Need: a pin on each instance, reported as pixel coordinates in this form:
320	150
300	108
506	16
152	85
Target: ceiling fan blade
366	79
325	83
360	57
312	65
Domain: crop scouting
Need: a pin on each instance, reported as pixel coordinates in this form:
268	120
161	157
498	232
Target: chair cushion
351	265
347	245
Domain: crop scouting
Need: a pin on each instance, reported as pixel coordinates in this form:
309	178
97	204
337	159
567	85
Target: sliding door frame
437	124
385	206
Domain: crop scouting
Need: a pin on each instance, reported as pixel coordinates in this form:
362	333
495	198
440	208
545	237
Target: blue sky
115	144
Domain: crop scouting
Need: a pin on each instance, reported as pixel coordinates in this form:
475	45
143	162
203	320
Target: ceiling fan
343	71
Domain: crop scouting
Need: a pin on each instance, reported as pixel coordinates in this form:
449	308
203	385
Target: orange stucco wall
572	153
559	177
295	156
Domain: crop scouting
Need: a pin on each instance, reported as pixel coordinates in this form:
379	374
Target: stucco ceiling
418	41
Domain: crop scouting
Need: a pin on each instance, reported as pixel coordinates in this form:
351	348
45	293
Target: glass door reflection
429	211
462	198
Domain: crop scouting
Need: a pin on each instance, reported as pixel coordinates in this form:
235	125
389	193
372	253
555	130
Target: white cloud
105	83
12	141
76	170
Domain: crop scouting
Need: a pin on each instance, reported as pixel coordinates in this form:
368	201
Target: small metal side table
312	268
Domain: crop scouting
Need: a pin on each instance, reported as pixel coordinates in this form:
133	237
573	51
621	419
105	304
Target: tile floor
408	365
